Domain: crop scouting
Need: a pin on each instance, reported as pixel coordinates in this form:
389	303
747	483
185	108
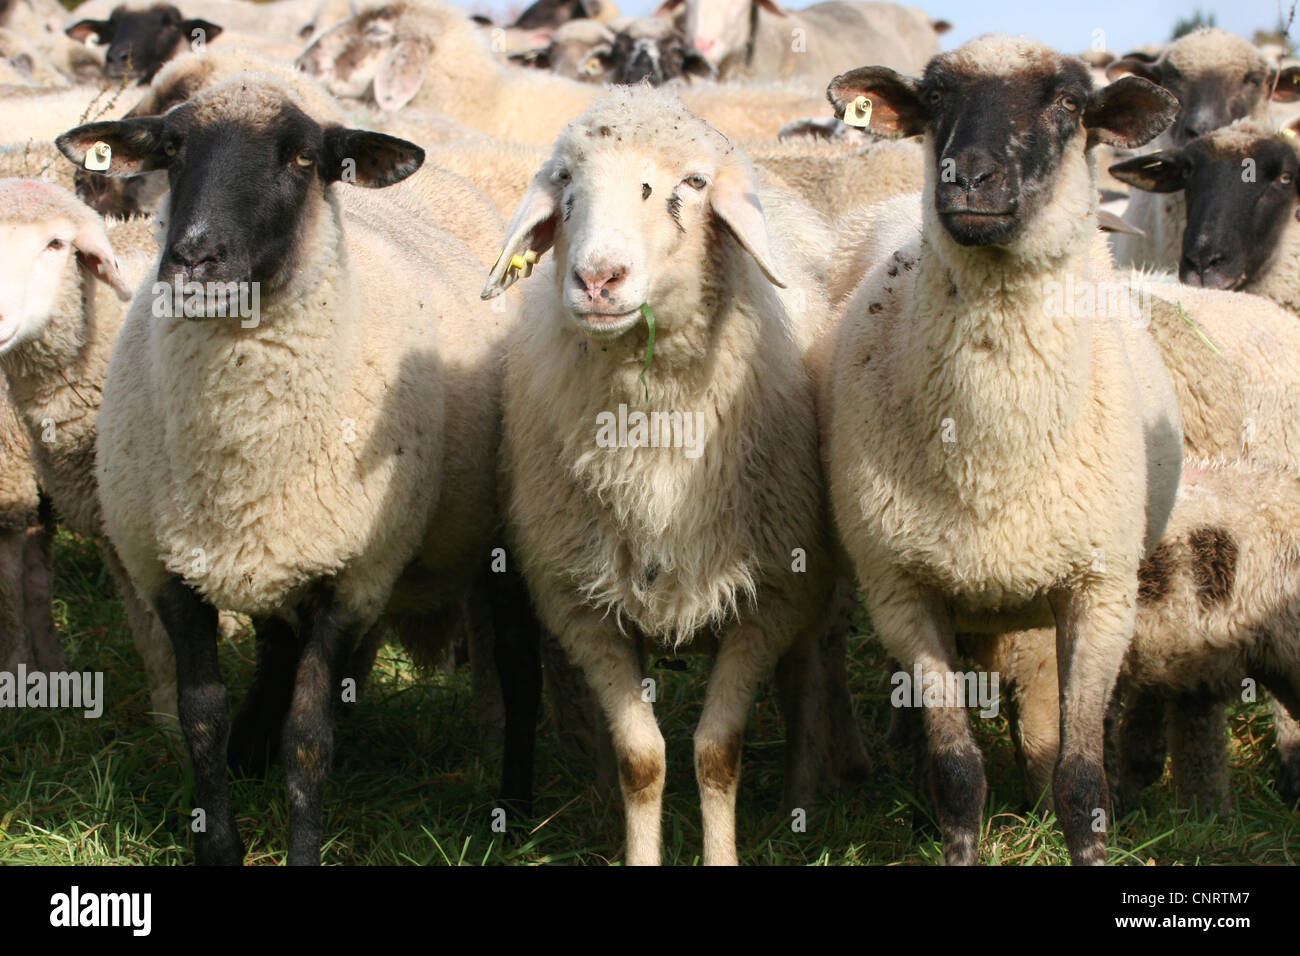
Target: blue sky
1066	24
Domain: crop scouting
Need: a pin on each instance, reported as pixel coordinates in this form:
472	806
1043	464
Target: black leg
519	667
204	716
1142	747
255	736
329	636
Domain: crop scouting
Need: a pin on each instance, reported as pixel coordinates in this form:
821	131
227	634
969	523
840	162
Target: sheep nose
704	46
197	256
973	168
599	283
1196	266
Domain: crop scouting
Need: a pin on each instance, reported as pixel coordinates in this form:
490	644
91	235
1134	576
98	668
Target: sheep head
44	233
1241	185
1006	122
244	163
141	41
636	197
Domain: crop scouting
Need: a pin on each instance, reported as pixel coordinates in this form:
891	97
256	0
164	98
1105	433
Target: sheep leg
150	637
850	761
611	662
255	734
517	654
204	711
1199	752
804	705
1093	632
329	636
582	736
15	648
1141	745
745	655
1038	738
38	598
1287	731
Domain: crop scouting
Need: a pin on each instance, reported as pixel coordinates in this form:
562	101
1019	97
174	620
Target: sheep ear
135	145
772	7
95	253
531	229
1133	65
896	107
400	75
734	199
363	158
667	7
1287	89
694	64
206	31
1129	112
82	30
1154	173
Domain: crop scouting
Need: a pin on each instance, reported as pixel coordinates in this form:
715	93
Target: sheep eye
1071	103
302	159
169	149
54	245
593	66
645	191
562	176
1286	179
933	97
696	182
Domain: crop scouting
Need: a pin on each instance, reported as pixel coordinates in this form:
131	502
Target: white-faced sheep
1217	78
711	531
995	462
1218	608
65	279
427	54
761	39
314	468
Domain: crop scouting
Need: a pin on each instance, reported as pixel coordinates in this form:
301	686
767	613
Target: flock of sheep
733	363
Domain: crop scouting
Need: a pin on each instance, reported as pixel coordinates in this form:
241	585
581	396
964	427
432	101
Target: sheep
284	21
27	634
993	460
1217	605
1217	78
1239	190
139	41
385	51
60	328
760	39
21	61
578	50
626	550
326	470
653	50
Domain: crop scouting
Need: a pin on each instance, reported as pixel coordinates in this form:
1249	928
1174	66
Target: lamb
1217	78
385	51
60	325
625	550
760	39
27	634
992	462
322	471
1218	604
1241	230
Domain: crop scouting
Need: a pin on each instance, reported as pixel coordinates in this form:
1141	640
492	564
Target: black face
1208	101
999	140
141	41
1236	210
643	59
551	13
1002	142
240	188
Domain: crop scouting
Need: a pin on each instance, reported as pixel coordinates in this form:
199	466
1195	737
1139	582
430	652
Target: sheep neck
1279	280
991	365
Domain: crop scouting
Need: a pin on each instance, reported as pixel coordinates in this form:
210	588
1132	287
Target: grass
412	783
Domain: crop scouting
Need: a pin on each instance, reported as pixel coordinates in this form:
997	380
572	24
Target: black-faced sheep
995	462
313	467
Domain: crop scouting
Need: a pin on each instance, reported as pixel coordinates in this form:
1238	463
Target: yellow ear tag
521	264
99	157
1288	132
858	113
